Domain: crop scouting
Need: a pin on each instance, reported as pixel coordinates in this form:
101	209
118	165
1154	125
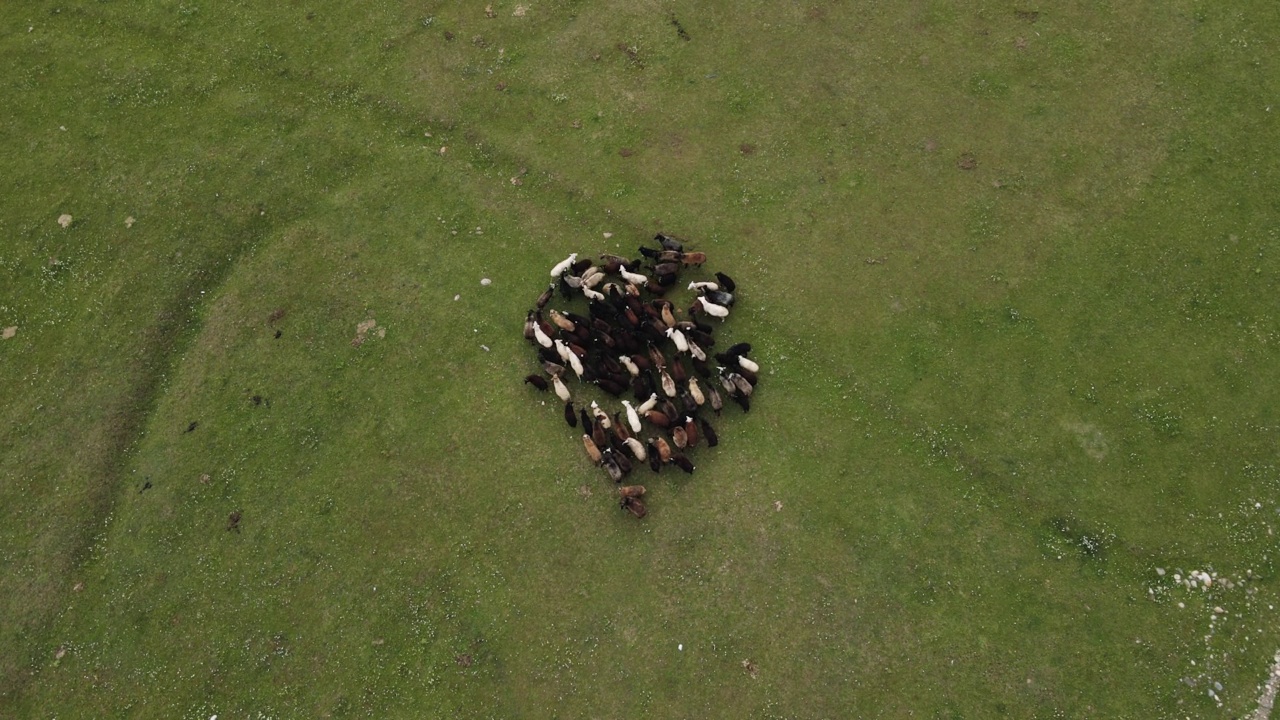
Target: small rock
1160	572
61	653
78	587
64	220
444	149
1219	610
9	332
486	282
129	221
608	235
457	298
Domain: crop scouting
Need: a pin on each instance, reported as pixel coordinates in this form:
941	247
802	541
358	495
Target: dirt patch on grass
1090	439
967	161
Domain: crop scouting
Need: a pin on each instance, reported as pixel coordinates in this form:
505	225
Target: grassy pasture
1010	271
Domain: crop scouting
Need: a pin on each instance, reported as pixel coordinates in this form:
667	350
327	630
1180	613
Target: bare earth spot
626	152
129	221
930	145
501	86
747	149
204	478
362	331
488	11
1020	43
966	161
751	668
584	491
519	11
1090	438
9	332
1027	15
64	220
276	315
78	587
464	660
777	505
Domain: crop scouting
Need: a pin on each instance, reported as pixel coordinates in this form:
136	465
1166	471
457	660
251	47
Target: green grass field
1010	270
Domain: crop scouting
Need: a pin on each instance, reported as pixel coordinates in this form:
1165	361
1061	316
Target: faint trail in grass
1268	700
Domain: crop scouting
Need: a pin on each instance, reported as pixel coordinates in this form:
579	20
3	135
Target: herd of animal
633	339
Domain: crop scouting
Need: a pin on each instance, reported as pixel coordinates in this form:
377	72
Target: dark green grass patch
1007	270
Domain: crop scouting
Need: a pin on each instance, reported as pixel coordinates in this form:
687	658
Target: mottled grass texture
1010	271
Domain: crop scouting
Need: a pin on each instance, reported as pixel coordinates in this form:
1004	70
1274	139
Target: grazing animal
668	318
748	364
545	297
593	452
695	391
726	282
536	381
611	466
637	449
700	286
655	462
540	336
658	418
529	323
233	521
631	491
664	450
552	369
561	391
601	416
709	433
743	401
622	461
597	434
562	322
741	383
691	431
720	297
633	417
741	348
586	420
679	437
678	373
668	385
697	352
711	308
634	506
563	265
562	350
630	365
570	416
693	258
648	405
677	337
669	243
714	396
576	364
634	278
683	463
620	428
592	294
657	358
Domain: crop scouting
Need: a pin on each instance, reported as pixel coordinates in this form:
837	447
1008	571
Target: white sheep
563	265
